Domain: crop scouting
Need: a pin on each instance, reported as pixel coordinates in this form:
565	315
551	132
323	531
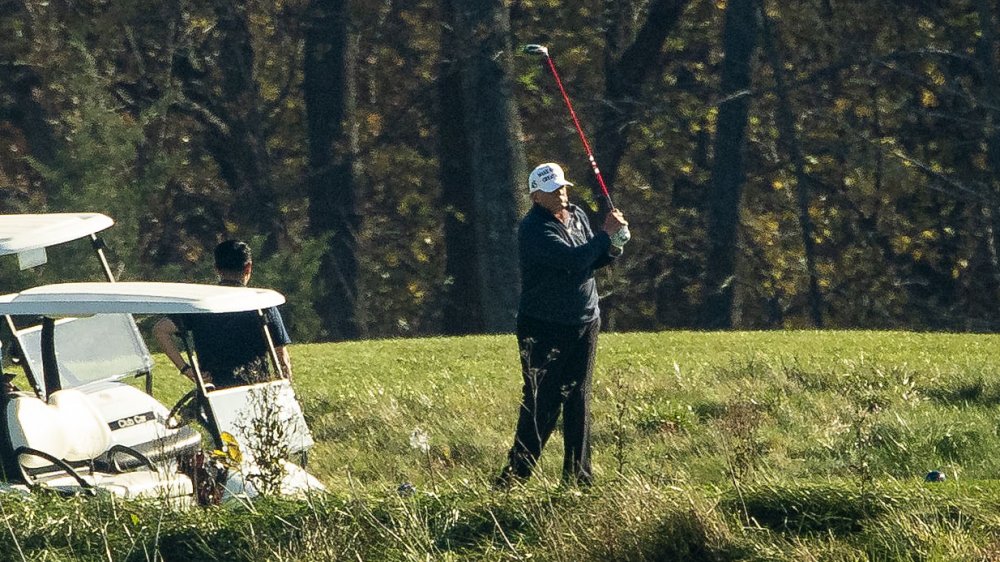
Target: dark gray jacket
557	266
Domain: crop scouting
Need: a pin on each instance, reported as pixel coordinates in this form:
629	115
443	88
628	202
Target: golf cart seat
55	444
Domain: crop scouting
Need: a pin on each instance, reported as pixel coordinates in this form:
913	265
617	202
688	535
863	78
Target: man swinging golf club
558	322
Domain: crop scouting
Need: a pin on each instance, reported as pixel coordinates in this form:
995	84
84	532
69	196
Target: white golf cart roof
22	233
81	299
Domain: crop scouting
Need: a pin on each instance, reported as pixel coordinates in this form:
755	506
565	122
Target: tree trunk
985	50
739	41
330	95
226	100
19	106
627	71
986	53
460	312
787	136
497	173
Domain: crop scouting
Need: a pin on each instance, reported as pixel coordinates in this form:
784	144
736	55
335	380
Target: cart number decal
131	420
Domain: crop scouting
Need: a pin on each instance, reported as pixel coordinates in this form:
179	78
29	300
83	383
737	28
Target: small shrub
266	441
745	367
740	432
662	417
709	409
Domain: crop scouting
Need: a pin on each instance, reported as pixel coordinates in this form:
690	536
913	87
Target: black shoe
582	481
507	480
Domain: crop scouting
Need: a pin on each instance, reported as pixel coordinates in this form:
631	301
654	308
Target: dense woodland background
828	163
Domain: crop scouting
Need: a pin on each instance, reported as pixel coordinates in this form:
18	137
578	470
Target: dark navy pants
557	364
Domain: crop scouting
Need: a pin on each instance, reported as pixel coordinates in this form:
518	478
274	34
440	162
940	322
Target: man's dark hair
232	255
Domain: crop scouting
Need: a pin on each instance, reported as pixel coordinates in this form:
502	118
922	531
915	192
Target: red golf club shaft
579	129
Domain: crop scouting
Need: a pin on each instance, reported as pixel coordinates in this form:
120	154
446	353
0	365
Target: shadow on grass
808	509
974	392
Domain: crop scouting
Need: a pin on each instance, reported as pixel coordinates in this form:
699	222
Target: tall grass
708	446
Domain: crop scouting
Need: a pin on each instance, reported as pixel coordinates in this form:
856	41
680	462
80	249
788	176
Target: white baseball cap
546	177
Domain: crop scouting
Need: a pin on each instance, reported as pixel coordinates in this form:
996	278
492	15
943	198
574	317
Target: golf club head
534	49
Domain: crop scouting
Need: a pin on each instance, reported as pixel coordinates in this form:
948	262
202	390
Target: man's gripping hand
620	238
617	228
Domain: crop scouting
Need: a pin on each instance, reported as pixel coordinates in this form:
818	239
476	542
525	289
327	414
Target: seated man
231	347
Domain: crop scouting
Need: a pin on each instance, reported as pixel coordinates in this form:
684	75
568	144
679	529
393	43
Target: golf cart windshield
28	236
103	347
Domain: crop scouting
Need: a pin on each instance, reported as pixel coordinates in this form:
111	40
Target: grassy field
708	446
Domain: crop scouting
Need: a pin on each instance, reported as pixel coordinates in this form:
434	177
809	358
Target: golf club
603	195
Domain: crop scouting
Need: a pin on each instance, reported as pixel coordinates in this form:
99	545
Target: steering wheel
179	416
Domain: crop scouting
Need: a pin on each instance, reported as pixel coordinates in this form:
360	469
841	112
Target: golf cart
98	371
88	431
101	370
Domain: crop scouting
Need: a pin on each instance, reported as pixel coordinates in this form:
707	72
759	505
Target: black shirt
557	266
231	346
